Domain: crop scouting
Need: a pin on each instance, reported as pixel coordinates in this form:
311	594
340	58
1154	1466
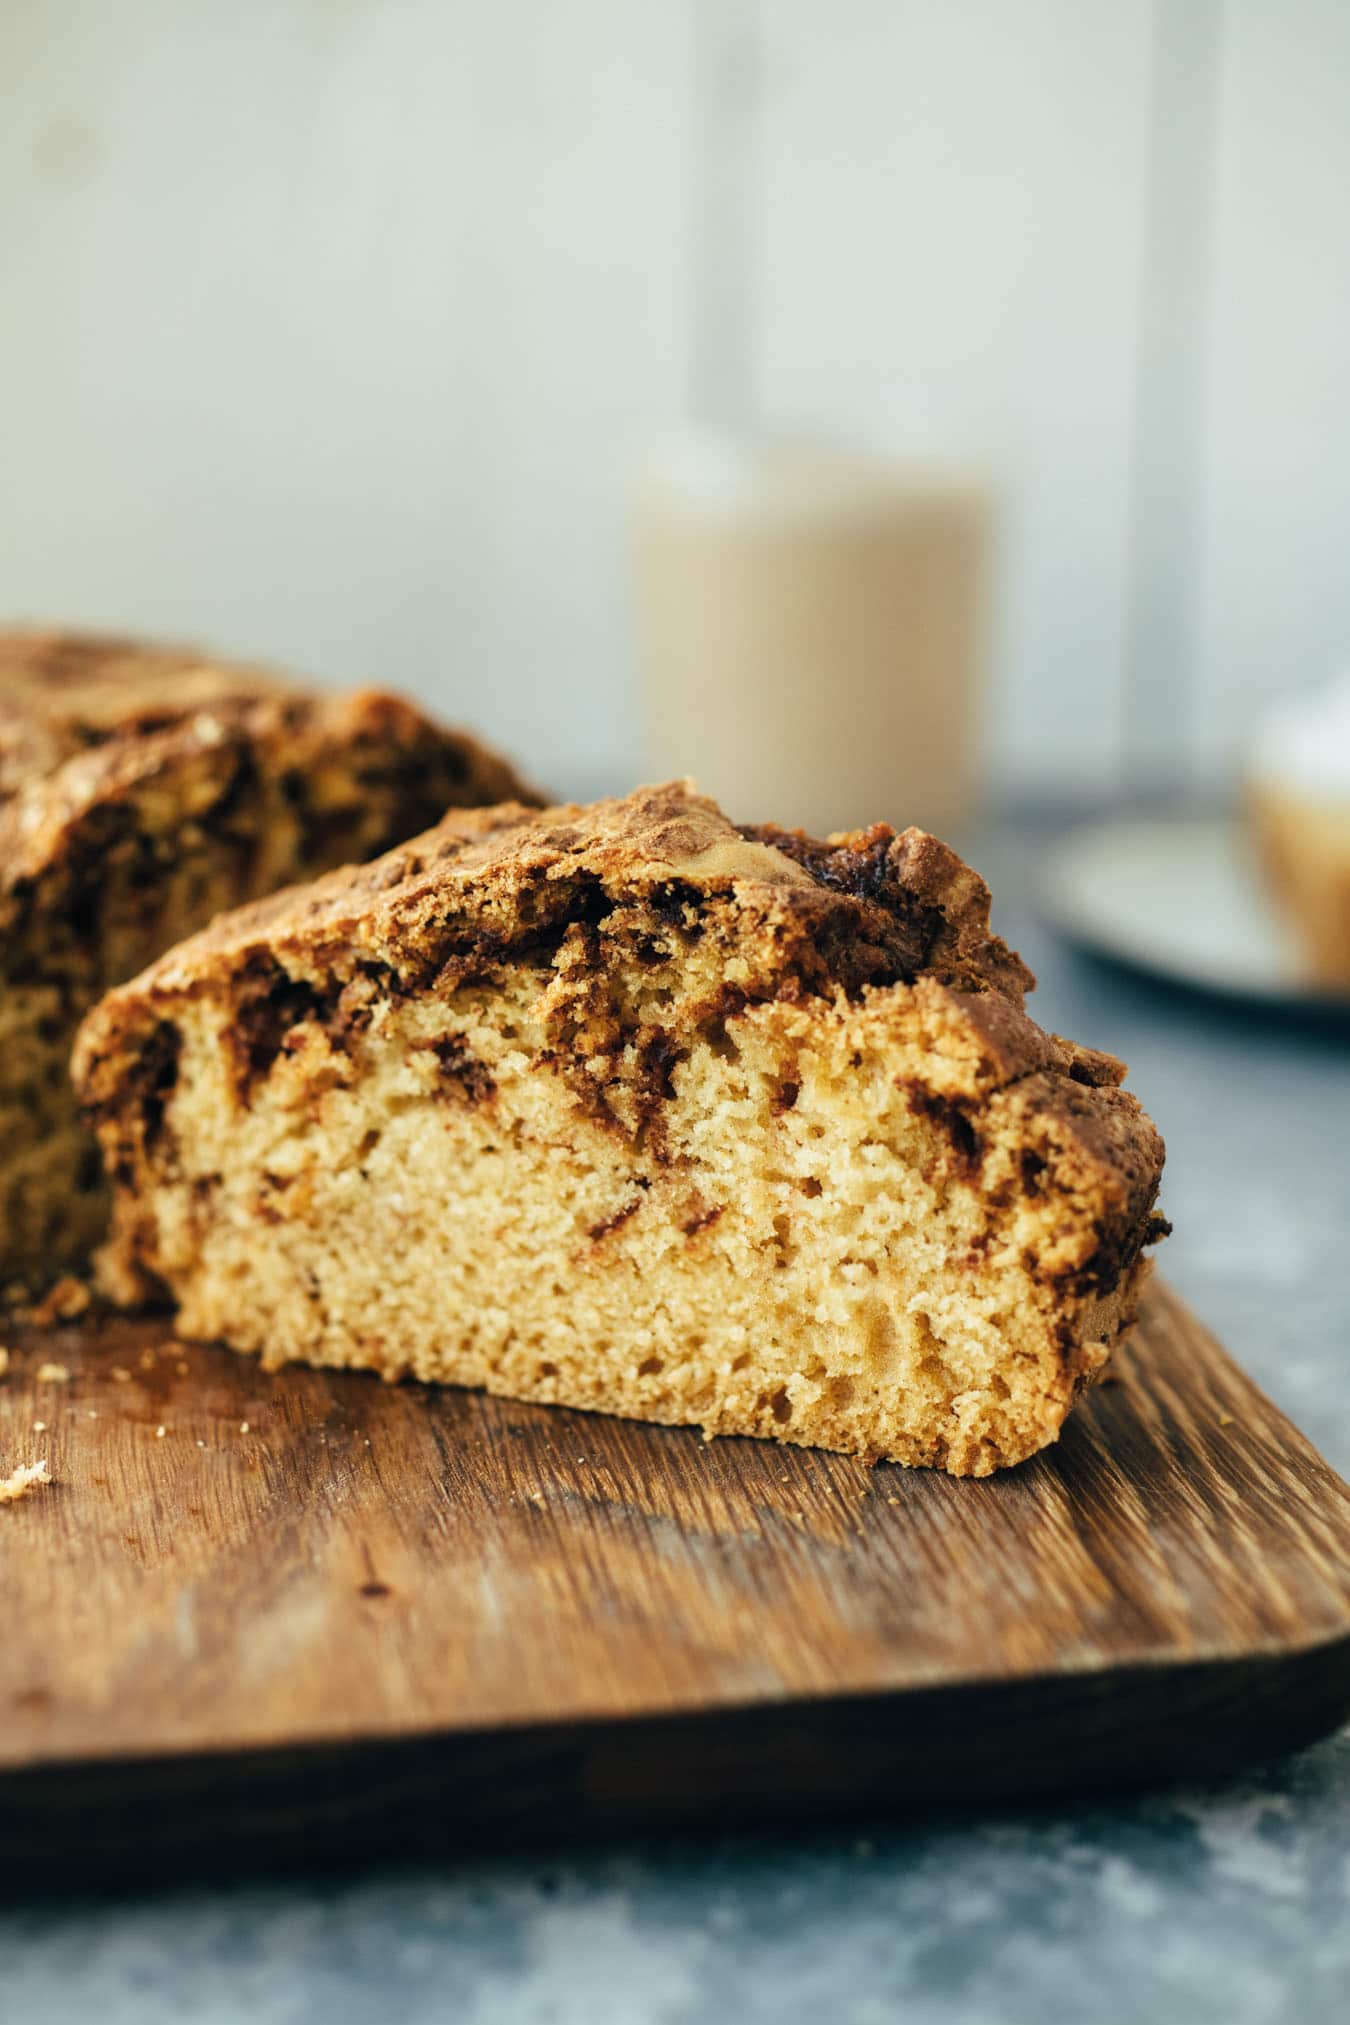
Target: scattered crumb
39	1427
52	1374
68	1298
892	1501
160	1432
1226	1419
148	1360
91	1415
26	1478
119	1374
243	1427
4	1360
201	1444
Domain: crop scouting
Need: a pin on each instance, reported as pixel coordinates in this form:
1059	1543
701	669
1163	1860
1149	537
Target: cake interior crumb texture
634	1109
23	1481
142	791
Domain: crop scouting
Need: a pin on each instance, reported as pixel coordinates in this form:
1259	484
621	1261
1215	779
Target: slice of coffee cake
141	791
633	1109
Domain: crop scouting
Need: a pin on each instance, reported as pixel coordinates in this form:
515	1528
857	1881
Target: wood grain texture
389	1614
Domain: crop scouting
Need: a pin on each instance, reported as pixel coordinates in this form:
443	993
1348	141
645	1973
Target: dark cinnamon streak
271	1005
597	1232
967	1147
461	1070
159	1072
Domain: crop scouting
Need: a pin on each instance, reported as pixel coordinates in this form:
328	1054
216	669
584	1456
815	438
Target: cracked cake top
873	905
91	727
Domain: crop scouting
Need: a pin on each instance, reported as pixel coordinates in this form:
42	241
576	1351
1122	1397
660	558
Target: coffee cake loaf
142	791
631	1108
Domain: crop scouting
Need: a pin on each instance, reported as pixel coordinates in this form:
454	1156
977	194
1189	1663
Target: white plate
1183	898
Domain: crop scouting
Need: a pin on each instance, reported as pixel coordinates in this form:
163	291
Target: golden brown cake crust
63	693
87	721
867	906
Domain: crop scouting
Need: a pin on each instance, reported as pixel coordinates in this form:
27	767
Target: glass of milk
809	624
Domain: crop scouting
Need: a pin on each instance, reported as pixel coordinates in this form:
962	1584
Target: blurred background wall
326	327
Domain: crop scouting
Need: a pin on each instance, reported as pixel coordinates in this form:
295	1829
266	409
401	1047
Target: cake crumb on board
53	1374
4	1360
68	1299
27	1478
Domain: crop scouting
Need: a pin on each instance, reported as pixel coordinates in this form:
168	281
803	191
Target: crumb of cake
160	1432
27	1478
119	1374
39	1427
53	1374
243	1427
4	1360
65	1302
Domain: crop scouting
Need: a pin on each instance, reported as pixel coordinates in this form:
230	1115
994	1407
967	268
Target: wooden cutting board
258	1615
